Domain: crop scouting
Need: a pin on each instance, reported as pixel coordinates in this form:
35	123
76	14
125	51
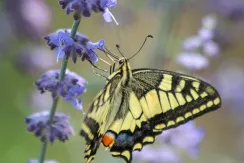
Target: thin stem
55	101
43	151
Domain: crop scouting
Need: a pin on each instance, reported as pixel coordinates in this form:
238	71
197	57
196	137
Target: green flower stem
55	101
43	151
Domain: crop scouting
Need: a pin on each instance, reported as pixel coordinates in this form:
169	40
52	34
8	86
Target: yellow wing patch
164	101
153	103
134	103
145	108
166	83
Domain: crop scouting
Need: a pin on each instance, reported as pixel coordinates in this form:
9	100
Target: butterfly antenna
149	36
118	48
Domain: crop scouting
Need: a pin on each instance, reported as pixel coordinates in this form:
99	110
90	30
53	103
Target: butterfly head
121	60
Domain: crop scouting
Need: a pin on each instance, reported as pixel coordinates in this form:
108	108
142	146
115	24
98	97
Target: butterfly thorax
126	73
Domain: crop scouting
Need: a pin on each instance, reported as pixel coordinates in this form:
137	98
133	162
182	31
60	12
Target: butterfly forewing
159	100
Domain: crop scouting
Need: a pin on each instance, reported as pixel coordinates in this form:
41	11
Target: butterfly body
136	105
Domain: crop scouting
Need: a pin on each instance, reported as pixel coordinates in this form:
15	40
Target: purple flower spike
97	45
156	155
59	129
192	61
186	137
85	8
80	47
196	47
36	161
192	43
72	95
61	41
108	16
70	87
211	48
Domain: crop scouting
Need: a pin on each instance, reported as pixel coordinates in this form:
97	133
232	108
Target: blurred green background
169	21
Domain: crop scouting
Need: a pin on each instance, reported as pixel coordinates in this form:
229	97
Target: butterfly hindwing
155	101
96	119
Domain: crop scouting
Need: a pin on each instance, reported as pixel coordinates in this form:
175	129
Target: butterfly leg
97	66
99	74
109	57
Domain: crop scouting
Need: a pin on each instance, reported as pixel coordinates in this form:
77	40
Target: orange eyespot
108	140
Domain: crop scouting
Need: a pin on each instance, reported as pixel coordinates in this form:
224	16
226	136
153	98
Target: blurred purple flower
192	43
108	16
34	59
34	25
80	46
209	22
195	47
59	128
205	35
85	8
37	161
229	80
62	43
193	61
70	88
211	48
187	137
232	10
156	155
72	95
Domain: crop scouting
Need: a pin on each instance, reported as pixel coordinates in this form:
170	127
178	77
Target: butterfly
136	105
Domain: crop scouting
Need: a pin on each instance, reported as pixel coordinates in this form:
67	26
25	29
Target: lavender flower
36	161
204	35
211	48
62	42
80	46
228	78
192	43
155	155
192	61
70	87
209	22
108	16
85	8
186	137
72	96
196	47
232	10
59	128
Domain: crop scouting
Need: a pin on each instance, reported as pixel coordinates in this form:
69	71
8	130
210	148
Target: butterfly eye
121	61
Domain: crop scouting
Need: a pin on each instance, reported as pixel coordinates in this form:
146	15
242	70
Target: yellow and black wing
156	100
97	117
